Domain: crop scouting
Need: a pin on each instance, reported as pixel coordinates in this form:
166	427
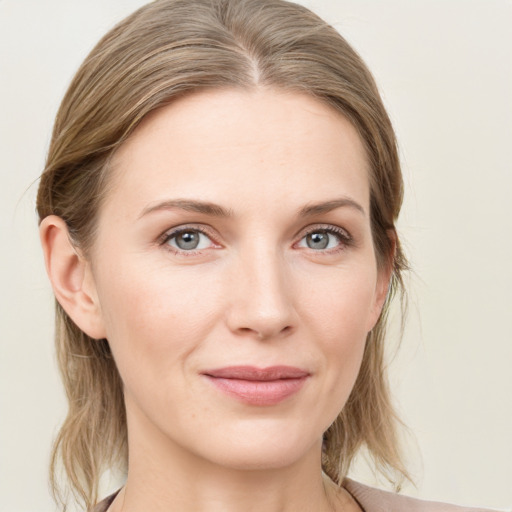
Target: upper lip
257	374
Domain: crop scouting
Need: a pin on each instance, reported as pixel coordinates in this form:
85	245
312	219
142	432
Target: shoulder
103	505
376	500
370	499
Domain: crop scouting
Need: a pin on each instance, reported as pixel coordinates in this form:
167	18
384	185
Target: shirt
369	499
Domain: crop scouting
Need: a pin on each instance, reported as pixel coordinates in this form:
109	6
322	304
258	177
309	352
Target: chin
261	448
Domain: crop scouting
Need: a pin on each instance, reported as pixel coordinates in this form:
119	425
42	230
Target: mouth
258	386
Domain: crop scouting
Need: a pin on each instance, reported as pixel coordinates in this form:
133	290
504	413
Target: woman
217	216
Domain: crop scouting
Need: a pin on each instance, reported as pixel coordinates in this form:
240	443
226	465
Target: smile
258	386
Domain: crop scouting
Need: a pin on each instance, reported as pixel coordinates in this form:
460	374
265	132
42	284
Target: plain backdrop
445	71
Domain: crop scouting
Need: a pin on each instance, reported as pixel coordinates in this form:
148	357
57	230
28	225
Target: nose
261	302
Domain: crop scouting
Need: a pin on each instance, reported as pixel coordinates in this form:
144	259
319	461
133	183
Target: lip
258	386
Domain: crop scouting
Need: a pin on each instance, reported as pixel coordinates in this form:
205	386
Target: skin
253	293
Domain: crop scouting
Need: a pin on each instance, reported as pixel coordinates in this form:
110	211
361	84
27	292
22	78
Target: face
236	275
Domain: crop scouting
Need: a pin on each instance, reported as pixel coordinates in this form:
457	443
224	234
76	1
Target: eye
188	239
325	239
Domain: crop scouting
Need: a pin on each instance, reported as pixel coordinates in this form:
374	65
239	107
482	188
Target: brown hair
164	50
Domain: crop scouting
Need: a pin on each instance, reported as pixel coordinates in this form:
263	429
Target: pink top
370	500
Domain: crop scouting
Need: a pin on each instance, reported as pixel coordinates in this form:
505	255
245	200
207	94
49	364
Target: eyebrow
216	210
327	206
189	205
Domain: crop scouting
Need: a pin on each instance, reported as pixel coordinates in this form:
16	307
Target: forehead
235	144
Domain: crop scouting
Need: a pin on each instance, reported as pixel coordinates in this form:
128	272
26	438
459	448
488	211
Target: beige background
445	71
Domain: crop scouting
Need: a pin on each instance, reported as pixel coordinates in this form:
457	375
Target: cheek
156	317
342	304
341	315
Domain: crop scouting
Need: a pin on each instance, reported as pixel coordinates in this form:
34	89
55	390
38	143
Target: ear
384	273
71	277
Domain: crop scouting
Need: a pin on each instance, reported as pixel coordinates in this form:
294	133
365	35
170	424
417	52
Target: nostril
270	333
265	333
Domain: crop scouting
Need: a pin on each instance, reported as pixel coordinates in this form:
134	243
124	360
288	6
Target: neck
195	485
163	476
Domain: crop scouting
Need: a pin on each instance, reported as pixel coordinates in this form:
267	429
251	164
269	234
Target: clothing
370	500
103	505
376	500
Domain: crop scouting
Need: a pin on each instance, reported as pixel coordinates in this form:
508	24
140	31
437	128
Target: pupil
187	240
317	240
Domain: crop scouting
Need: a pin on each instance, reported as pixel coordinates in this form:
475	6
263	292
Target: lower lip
259	392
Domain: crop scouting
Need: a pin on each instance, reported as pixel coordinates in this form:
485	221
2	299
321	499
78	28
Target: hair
163	51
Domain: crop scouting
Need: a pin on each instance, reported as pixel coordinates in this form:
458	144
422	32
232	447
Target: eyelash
345	239
169	235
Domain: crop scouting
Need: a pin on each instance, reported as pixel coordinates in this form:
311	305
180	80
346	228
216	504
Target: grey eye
323	239
189	240
318	240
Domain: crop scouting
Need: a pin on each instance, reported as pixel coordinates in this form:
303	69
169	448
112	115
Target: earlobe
384	276
381	292
70	276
